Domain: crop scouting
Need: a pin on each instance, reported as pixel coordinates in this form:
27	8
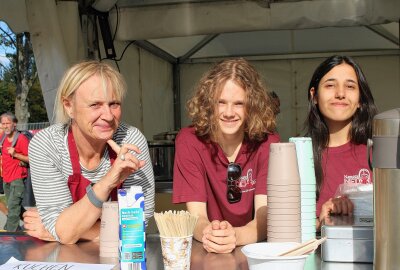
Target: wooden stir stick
304	248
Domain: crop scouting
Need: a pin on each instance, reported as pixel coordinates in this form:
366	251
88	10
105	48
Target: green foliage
37	108
7	96
9	76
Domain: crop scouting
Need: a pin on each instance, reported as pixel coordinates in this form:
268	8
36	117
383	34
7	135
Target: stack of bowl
283	189
305	162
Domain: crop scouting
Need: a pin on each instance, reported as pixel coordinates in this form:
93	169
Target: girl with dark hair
341	109
221	161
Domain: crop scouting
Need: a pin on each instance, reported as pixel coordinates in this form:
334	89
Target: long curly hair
361	124
259	120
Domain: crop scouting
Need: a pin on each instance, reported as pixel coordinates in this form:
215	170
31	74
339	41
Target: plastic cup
309	195
176	252
305	159
308	202
305	187
309	222
109	230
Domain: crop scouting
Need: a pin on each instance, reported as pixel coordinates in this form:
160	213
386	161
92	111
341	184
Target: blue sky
3	50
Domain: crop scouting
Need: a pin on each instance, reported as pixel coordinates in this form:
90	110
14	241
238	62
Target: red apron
77	183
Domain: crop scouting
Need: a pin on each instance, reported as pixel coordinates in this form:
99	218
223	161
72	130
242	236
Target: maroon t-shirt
200	175
347	163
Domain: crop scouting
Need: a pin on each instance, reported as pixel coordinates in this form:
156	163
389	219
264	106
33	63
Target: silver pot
162	156
386	166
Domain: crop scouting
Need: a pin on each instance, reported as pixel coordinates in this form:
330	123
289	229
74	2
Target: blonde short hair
78	74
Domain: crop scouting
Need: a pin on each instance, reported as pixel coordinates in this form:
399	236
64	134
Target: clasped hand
219	237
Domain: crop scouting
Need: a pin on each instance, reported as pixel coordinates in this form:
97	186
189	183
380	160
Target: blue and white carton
132	237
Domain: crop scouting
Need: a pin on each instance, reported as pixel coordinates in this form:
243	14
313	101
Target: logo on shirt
363	177
246	182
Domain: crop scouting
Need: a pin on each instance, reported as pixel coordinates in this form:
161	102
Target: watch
93	198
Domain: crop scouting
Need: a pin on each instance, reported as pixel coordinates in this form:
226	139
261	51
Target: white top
50	165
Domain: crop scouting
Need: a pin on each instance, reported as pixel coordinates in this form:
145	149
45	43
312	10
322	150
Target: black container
162	157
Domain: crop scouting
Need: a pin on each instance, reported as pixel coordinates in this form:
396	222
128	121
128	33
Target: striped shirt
50	165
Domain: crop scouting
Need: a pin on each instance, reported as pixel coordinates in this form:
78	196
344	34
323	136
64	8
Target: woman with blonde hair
79	162
221	161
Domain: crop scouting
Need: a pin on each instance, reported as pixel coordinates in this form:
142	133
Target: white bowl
264	255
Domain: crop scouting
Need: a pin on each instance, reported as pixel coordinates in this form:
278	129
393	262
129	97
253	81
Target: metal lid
349	227
387	124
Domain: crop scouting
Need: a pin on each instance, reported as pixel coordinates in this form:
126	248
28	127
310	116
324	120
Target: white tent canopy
165	45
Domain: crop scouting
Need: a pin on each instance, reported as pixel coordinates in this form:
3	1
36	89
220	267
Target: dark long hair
361	124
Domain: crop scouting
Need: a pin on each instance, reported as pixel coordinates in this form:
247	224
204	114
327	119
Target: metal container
386	167
162	156
349	239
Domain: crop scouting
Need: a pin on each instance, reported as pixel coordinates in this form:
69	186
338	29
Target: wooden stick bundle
175	223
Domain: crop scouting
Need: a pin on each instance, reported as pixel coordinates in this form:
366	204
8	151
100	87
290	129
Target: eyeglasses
234	193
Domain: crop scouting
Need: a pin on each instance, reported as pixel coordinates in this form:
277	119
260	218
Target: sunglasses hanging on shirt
234	193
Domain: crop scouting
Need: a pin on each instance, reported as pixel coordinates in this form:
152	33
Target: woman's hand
125	164
340	205
34	227
219	237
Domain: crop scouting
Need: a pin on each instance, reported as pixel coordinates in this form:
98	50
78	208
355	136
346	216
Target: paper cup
277	223
283	211
272	199
284	194
283	229
109	229
176	252
284	217
283	188
282	164
287	205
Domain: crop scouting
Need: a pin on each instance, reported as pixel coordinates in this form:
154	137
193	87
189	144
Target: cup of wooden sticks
176	234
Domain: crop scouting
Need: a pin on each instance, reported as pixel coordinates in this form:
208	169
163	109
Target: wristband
93	198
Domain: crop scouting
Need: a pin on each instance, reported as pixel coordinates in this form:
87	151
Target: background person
276	102
341	110
14	174
233	123
1	169
79	162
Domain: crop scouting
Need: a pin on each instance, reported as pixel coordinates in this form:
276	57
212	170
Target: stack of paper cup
283	189
305	161
109	229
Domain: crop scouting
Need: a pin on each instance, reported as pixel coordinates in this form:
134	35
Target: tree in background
19	84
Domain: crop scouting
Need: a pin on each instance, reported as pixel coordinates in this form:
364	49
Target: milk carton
132	238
